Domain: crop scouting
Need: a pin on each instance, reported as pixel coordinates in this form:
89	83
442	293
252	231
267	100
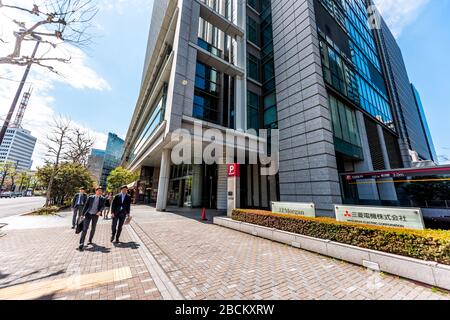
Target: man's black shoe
81	247
117	241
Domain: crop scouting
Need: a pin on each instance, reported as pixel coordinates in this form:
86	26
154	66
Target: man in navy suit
93	209
78	202
120	210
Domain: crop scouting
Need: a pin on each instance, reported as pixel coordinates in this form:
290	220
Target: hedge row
428	245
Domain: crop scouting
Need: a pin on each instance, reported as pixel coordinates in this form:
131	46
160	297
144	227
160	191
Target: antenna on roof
22	108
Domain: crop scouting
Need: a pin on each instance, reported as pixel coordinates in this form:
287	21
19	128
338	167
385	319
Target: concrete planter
430	273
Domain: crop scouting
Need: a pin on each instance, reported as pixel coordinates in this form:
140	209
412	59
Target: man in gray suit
78	203
92	211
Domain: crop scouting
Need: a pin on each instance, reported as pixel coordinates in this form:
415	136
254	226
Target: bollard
204	215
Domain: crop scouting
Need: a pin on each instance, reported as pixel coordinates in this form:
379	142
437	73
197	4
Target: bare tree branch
80	147
53	23
56	147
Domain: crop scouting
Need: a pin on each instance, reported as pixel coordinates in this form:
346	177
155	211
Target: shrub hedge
428	245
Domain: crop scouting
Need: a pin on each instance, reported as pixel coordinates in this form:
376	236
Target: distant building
18	147
95	164
112	157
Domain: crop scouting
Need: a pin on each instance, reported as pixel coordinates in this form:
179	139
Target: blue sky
117	55
102	84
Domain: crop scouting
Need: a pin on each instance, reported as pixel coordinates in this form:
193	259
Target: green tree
69	178
5	170
119	177
24	180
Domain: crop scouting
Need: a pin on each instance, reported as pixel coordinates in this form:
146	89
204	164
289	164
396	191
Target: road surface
16	206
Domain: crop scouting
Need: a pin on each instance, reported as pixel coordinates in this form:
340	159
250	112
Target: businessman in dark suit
120	210
78	202
92	210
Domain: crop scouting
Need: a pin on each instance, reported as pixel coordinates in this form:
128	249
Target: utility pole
19	92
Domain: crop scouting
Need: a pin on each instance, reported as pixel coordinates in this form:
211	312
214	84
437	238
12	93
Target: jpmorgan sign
300	209
408	218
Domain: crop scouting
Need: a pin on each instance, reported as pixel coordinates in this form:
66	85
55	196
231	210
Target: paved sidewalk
45	262
176	256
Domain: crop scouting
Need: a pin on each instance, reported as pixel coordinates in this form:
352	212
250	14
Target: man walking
120	210
78	203
91	212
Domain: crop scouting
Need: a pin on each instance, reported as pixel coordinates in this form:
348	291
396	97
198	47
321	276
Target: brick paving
42	255
175	255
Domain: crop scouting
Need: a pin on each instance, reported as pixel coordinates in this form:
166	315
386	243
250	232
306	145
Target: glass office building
112	157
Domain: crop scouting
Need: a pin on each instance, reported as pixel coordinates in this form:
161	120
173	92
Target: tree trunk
50	186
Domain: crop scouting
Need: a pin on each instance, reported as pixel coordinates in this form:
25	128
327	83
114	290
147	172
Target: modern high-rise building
425	127
18	147
412	127
316	70
112	156
95	164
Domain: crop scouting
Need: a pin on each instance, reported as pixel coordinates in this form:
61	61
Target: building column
387	163
164	177
240	60
367	188
240	96
387	190
222	187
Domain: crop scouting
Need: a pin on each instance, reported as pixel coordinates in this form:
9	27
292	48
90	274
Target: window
344	122
255	4
252	31
253	111
268	71
253	67
206	95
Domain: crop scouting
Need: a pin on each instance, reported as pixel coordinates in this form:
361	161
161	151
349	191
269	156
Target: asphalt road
16	206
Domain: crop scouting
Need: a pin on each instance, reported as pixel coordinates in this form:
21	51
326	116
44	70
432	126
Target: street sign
300	209
408	218
234	170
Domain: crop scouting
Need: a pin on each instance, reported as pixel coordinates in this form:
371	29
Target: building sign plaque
234	170
300	209
408	218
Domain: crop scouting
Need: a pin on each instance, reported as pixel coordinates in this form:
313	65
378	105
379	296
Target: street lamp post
19	91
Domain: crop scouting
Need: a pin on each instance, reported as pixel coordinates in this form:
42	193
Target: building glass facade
351	62
113	156
262	69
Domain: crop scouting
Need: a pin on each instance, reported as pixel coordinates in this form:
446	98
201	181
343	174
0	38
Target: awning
133	185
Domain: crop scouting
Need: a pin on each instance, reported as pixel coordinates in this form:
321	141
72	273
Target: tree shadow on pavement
128	245
12	283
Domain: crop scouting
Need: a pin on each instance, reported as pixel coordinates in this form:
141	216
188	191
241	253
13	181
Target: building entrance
193	186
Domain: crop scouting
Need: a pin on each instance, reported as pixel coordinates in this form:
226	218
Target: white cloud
400	13
41	109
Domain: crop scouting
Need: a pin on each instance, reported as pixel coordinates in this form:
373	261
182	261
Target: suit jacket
117	204
89	203
75	200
